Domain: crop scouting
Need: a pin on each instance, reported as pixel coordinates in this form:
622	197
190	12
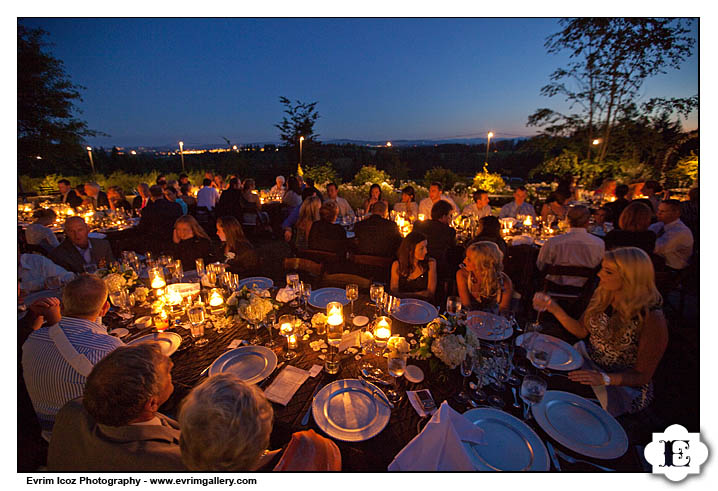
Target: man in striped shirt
54	361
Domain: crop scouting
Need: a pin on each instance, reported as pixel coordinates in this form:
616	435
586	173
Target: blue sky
156	81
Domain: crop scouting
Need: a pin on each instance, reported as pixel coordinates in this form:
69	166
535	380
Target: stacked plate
168	341
413	311
251	364
563	356
321	297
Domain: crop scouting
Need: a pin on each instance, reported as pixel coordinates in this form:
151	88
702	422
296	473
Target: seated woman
554	205
278	188
624	330
408	203
481	280
490	231
633	232
251	202
190	242
325	235
171	196
414	274
236	250
374	196
308	214
39	233
116	197
225	426
293	196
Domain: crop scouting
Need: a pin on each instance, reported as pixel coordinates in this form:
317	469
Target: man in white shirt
518	206
575	248
435	195
345	208
480	207
33	270
674	240
56	362
207	196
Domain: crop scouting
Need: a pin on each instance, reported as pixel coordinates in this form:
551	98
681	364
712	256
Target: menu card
286	384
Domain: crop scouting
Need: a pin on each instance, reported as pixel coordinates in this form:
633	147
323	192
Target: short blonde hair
84	295
225	425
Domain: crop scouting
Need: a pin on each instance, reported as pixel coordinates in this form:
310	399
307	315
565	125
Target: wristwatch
606	378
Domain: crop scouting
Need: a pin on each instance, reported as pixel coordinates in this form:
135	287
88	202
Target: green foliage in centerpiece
447	340
261	300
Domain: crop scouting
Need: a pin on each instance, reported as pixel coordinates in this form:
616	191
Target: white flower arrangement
446	339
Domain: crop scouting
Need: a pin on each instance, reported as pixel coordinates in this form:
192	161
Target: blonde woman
624	331
308	214
481	280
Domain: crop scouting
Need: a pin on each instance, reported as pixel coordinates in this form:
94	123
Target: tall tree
610	60
47	126
299	121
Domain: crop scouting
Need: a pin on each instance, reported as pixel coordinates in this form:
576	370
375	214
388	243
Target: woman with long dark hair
374	196
190	242
414	273
237	251
408	203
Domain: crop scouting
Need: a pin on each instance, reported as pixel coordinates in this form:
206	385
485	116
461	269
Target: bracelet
606	378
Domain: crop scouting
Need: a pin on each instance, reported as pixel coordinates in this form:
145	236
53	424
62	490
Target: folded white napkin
285	295
439	446
522	240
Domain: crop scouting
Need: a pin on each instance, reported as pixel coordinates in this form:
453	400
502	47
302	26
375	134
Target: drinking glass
376	291
293	283
270	323
396	365
305	292
479	369
532	391
199	265
286	329
352	290
90	268
196	316
254	317
367	345
467	367
453	305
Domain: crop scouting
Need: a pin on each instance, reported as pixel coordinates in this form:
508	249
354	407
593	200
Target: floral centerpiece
117	277
445	340
398	345
261	300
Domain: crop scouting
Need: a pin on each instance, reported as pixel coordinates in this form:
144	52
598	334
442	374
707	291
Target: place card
314	371
234	343
350	339
286	384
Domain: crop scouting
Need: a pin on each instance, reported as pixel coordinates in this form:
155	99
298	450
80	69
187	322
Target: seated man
39	233
95	196
518	206
33	271
574	248
435	195
345	209
67	194
441	239
226	424
115	426
78	249
158	220
207	196
376	235
325	235
674	240
56	360
480	207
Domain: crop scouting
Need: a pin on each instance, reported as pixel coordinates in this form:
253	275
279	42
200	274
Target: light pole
92	164
488	142
181	144
301	139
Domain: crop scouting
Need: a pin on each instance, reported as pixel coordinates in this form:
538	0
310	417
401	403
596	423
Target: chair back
341	280
306	268
376	267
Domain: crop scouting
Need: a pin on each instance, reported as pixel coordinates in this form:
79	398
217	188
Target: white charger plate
511	444
415	311
580	425
169	341
488	326
321	297
261	282
251	364
563	356
348	410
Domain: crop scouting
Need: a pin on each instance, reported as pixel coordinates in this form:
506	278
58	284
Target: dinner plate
321	297
252	364
119	332
563	355
580	425
350	410
510	444
413	311
257	282
489	327
169	341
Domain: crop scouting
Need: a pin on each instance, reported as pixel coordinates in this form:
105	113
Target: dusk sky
156	81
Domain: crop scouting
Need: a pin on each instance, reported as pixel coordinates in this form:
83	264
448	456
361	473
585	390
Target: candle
215	299
292	341
162	322
382	331
528	221
421	217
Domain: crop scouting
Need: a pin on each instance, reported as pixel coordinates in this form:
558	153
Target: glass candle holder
162	321
335	323
215	301
382	331
286	329
157	278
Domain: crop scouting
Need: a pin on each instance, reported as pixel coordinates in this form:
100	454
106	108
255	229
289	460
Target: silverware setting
574	460
516	401
552	454
305	419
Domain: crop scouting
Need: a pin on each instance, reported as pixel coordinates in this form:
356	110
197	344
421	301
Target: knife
376	391
305	419
554	459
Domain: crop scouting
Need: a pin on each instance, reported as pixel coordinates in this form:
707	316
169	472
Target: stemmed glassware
376	291
479	368
396	365
467	367
352	291
305	291
254	316
196	315
124	301
453	305
293	283
532	391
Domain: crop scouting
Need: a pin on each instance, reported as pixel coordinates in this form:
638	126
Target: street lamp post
92	164
181	144
488	142
301	139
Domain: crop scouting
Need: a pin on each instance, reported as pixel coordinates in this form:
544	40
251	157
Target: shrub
685	173
446	177
322	174
488	181
370	174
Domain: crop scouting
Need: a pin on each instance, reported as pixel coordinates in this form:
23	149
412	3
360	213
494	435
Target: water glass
271	323
331	362
396	366
196	316
453	305
467	367
293	283
532	391
199	266
376	292
352	292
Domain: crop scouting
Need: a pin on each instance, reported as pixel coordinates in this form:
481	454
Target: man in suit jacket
230	201
115	426
441	238
78	249
144	197
67	194
376	235
97	197
158	220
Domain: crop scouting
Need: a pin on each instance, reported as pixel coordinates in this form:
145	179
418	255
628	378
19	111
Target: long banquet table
375	454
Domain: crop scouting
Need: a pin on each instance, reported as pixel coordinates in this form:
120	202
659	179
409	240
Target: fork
573	460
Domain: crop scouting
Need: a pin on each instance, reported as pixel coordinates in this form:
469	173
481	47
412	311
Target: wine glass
396	365
479	368
532	391
352	291
196	315
367	345
306	292
467	367
271	323
453	305
253	315
376	291
199	265
293	283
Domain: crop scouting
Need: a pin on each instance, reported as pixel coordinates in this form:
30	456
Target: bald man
78	249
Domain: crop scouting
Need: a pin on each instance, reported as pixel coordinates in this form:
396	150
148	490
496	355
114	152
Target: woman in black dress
190	242
633	223
236	250
414	274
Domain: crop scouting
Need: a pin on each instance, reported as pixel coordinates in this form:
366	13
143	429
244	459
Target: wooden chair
376	267
307	269
520	266
340	280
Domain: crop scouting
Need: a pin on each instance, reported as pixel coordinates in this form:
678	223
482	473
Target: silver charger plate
321	297
169	341
257	282
510	444
414	311
488	326
349	411
563	356
251	364
580	425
